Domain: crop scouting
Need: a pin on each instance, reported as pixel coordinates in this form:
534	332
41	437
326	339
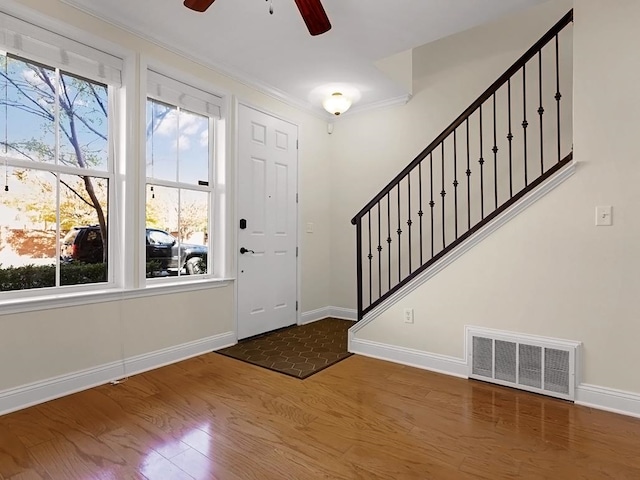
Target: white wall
550	271
35	346
48	343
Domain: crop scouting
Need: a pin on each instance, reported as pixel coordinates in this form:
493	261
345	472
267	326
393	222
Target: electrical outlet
408	315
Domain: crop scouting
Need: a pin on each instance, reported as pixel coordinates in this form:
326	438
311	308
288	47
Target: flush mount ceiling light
337	103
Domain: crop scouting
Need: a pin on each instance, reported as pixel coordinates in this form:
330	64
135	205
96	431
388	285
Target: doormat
298	351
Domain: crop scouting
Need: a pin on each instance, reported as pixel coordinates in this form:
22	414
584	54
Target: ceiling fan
312	13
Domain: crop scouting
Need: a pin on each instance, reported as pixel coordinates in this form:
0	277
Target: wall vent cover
536	364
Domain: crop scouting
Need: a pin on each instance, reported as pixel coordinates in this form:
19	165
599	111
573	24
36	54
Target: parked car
84	244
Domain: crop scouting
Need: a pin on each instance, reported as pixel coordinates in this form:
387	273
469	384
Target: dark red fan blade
198	5
314	16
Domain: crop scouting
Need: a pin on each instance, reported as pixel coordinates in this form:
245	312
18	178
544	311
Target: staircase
512	139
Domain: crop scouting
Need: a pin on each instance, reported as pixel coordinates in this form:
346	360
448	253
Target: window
56	153
180	129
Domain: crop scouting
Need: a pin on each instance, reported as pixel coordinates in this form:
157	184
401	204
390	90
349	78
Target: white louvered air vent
537	364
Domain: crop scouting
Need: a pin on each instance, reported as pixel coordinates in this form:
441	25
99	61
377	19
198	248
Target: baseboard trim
328	312
167	356
39	392
593	396
456	367
609	399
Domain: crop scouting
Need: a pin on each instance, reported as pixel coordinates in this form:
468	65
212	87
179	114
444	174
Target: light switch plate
604	216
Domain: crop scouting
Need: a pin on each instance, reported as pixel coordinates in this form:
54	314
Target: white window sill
47	302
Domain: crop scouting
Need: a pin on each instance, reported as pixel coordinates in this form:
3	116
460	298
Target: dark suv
84	244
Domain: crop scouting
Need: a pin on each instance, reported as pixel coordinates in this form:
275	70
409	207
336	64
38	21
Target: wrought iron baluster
481	162
468	173
558	96
442	194
525	124
420	212
495	155
359	266
389	240
379	253
510	139
370	257
409	222
541	112
431	202
455	181
399	231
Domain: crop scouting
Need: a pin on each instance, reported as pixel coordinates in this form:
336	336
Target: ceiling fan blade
198	5
314	16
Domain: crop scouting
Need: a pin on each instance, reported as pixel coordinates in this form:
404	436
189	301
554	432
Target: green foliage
40	276
79	273
154	269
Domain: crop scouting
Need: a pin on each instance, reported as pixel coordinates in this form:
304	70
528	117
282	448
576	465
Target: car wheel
194	266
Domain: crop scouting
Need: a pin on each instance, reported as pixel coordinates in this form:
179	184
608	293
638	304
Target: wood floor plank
134	444
26	425
28	475
214	417
155	467
393	463
14	456
200	466
60	459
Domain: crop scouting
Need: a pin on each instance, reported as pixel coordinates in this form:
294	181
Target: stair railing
492	155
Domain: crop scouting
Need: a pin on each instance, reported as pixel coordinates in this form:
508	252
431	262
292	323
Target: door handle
245	250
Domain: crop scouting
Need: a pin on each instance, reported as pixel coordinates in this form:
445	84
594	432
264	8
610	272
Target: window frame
109	174
216	242
126	193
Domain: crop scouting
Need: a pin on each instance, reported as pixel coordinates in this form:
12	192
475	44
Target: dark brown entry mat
298	351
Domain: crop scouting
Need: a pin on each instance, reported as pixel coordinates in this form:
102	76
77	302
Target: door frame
236	102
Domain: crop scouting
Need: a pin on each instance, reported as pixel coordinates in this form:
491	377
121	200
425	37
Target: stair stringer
529	199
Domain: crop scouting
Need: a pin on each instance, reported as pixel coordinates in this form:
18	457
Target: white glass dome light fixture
337	103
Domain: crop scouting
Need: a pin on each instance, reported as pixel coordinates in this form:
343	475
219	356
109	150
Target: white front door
267	226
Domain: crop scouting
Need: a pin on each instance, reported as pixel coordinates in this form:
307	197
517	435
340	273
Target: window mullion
58	233
179	230
178	111
114	195
56	128
6	108
211	219
56	114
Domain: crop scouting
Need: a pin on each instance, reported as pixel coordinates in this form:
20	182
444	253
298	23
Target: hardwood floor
214	417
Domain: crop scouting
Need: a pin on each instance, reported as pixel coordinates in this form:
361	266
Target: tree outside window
54	146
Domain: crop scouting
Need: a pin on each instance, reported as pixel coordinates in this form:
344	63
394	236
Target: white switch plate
309	227
604	216
408	315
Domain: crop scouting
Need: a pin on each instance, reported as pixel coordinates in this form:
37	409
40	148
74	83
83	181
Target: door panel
267	178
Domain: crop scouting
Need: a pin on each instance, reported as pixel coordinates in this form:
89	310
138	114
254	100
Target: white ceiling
276	52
